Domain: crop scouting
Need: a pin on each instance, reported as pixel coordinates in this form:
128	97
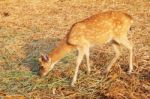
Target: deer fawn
109	26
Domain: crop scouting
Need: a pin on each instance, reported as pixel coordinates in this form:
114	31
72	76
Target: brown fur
61	50
110	26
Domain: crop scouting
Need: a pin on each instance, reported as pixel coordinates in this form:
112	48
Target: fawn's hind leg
125	42
87	54
117	54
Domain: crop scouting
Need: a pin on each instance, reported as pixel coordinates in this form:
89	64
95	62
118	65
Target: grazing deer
109	26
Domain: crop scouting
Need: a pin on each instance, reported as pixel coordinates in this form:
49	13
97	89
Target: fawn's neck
60	51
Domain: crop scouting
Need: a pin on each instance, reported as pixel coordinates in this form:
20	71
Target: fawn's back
100	28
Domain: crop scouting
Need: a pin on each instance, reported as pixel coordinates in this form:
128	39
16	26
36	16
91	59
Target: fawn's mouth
42	74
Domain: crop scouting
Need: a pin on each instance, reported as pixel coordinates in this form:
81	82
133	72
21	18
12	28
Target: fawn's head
45	65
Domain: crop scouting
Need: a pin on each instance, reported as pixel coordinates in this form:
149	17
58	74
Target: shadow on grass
33	50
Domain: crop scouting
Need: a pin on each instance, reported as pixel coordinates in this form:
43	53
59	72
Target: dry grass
29	27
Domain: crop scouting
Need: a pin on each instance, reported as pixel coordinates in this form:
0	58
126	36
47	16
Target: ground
31	27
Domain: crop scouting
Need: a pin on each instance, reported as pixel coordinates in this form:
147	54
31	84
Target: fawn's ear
44	58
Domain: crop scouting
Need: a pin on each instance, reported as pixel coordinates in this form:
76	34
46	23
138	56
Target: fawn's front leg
79	59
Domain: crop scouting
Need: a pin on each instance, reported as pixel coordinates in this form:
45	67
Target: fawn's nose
42	74
39	74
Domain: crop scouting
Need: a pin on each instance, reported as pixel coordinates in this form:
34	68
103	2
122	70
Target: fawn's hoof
72	85
88	72
129	72
105	72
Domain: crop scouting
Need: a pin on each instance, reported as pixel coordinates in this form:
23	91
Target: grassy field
31	27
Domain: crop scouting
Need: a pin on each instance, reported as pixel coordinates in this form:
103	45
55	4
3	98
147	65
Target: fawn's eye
41	67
